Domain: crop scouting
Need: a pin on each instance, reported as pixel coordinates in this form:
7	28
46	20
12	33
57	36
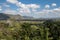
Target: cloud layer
33	9
0	8
24	8
54	4
46	13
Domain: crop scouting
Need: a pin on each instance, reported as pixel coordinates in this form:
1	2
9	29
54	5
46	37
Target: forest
48	30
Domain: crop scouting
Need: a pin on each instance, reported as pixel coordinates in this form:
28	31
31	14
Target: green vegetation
14	30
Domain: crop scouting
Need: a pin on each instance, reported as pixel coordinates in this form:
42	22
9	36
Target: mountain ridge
4	16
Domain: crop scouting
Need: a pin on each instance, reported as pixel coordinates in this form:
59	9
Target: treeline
48	30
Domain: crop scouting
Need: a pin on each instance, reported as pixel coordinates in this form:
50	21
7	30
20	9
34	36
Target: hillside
4	16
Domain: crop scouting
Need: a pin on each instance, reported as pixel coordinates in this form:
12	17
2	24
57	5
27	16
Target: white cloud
6	5
12	1
24	8
33	6
28	8
54	4
56	10
34	10
19	4
47	6
10	11
0	8
50	13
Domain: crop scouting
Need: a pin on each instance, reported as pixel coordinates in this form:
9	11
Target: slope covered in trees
48	30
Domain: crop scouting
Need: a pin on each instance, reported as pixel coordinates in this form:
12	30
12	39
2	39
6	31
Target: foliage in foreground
48	30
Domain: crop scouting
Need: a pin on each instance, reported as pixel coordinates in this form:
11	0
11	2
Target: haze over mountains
4	16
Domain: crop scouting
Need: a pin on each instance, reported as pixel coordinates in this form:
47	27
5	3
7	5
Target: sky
34	8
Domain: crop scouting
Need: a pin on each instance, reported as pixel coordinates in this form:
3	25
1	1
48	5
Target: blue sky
39	2
35	8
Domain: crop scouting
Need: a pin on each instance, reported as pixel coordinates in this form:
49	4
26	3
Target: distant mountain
15	16
27	17
19	17
4	16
